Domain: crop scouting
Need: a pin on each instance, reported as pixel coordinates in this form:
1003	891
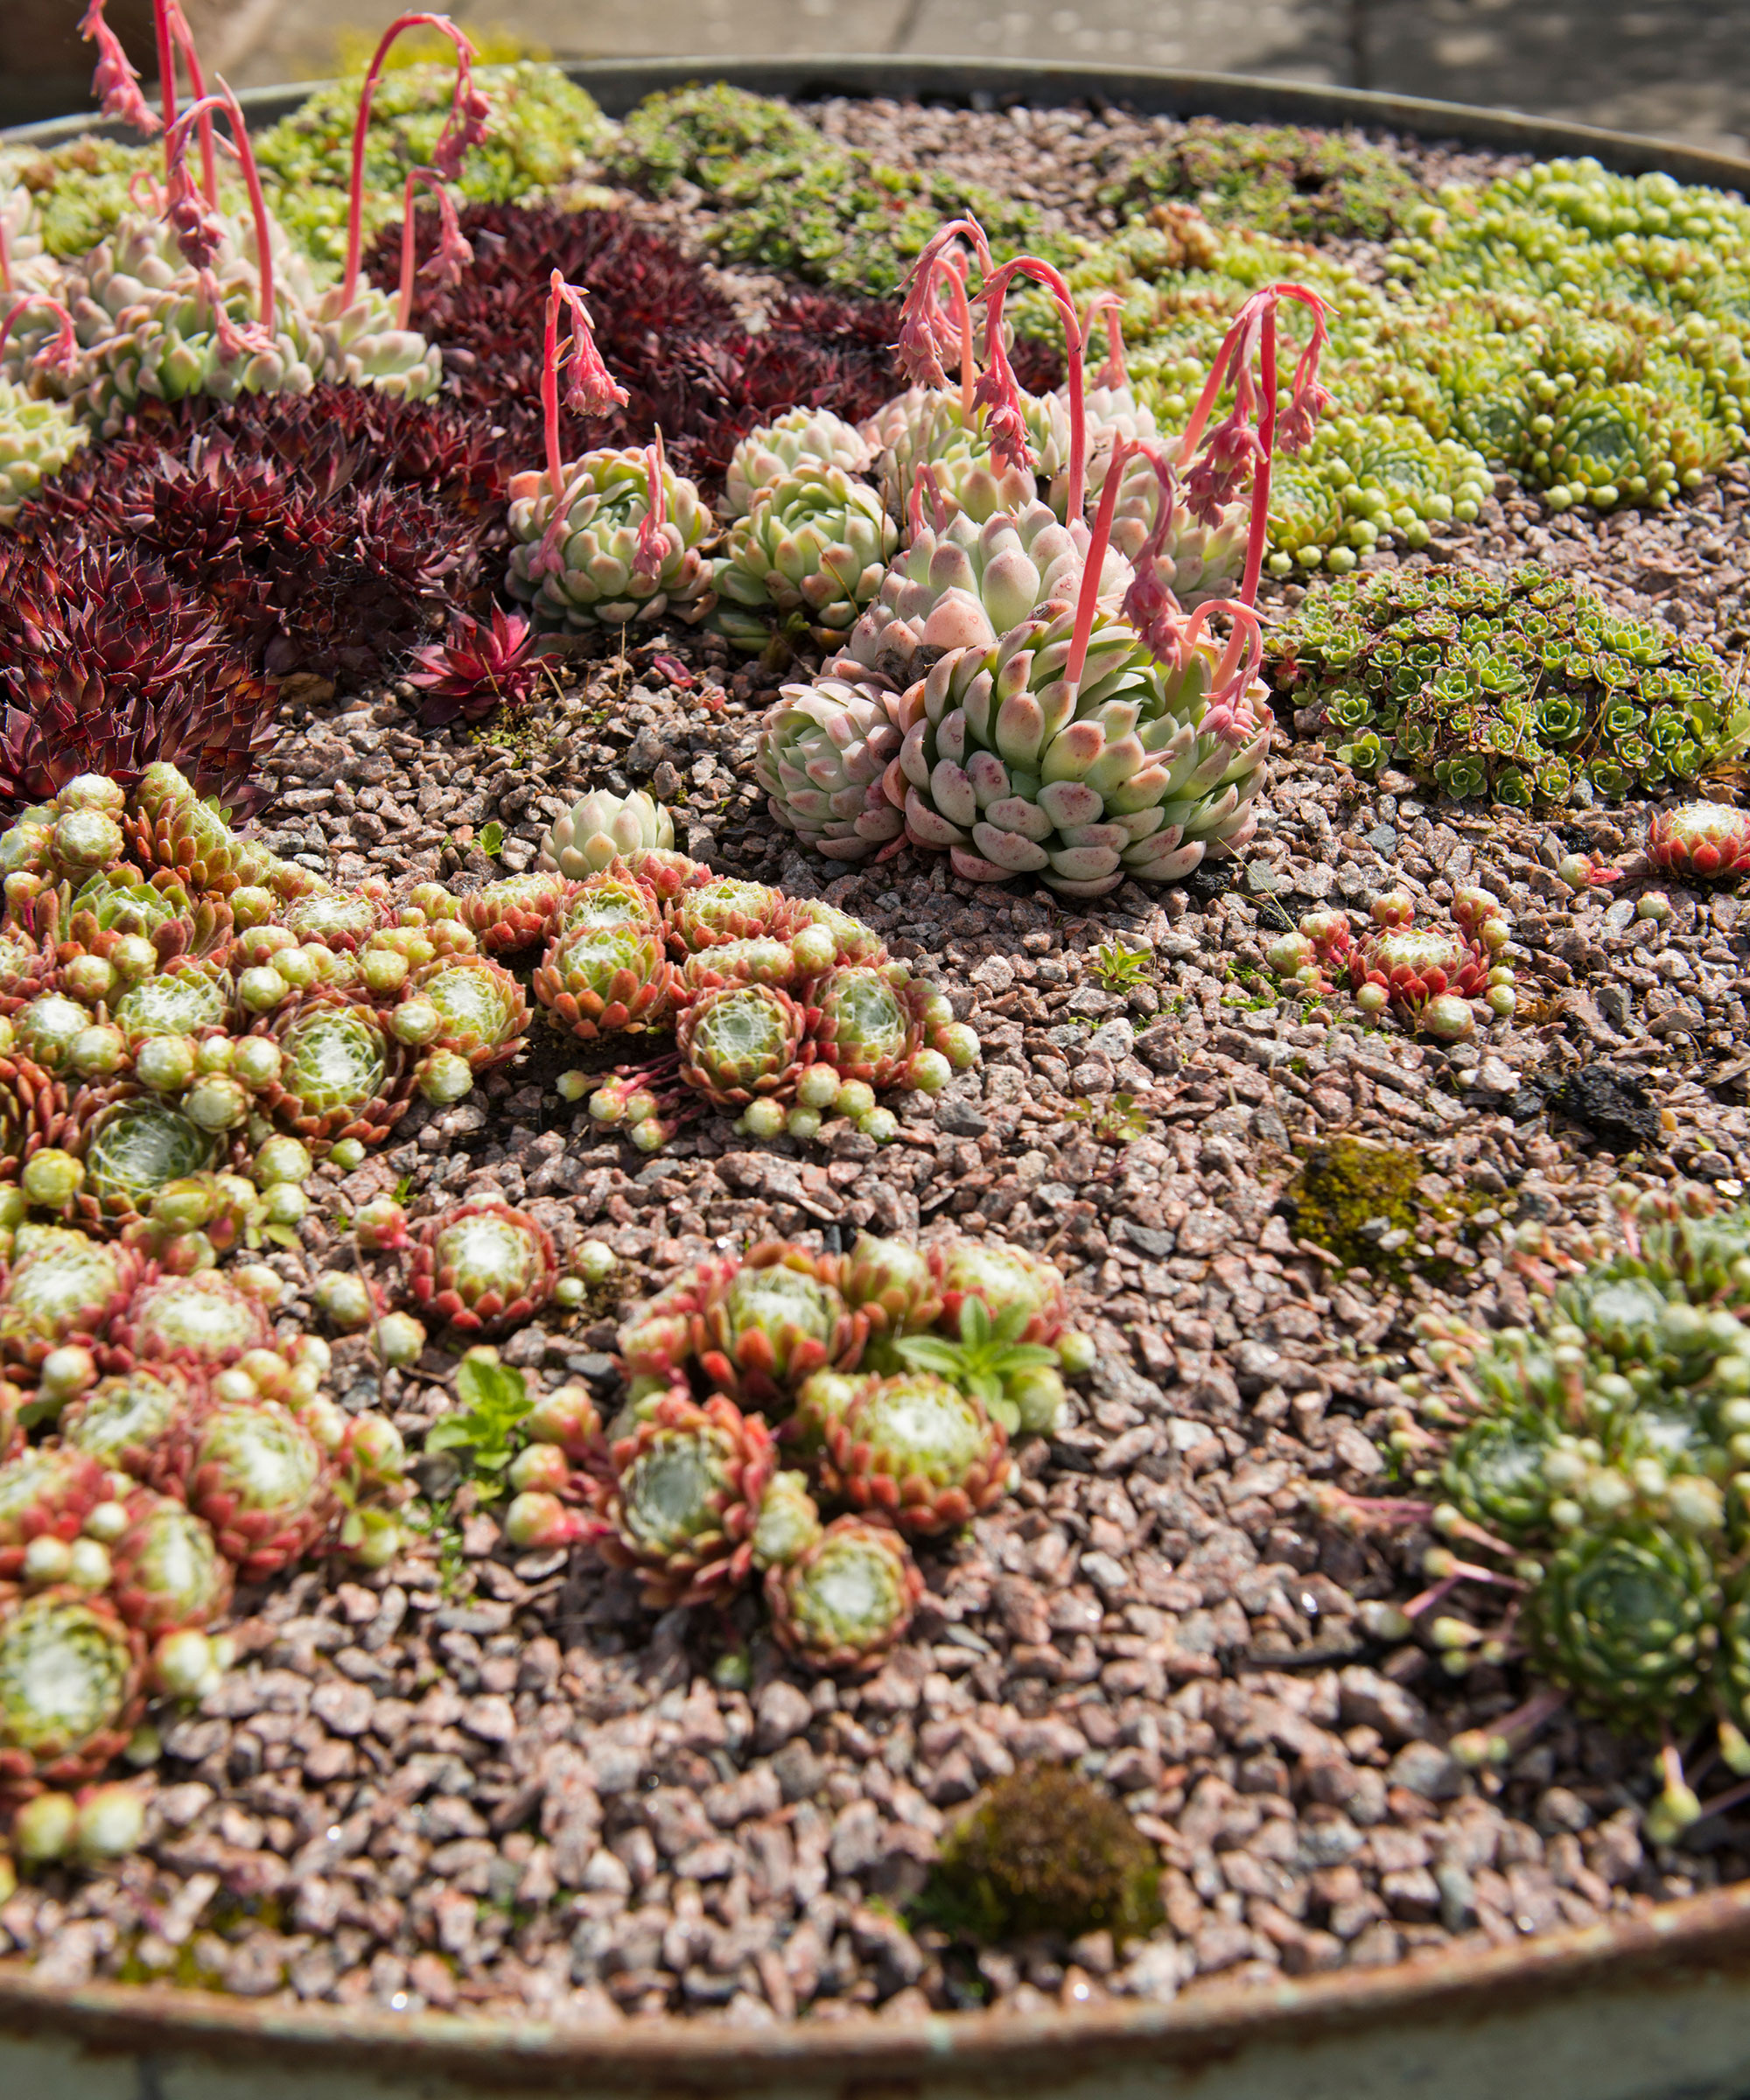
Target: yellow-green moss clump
1045	1850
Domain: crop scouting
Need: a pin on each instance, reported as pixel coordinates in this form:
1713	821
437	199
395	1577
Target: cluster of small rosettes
785	1010
174	1450
892	1379
1595	1472
1433	977
1523	688
188	1023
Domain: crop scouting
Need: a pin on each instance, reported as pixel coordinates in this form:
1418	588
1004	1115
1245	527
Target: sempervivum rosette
685	1500
45	1493
615	897
846	1601
342	1073
482	1265
959	585
359	345
482	1010
754	1329
599	828
603	980
133	1143
33	1112
1427	972
123	1422
71	1689
759	961
1708	839
823	750
737	1042
814	544
867	1021
183	1000
166	1569
257	1475
37	439
916	1451
898	1288
1013	766
62	1287
1007	1279
203	1321
804	438
515	914
711	913
612	555
340	919
169	826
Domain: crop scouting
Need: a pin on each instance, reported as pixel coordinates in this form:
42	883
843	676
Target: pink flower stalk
234	342
998	391
1234	448
5	257
206	228
61	354
1108	304
922	341
115	84
653	540
1088	597
197	88
465	127
452	254
953	321
589	390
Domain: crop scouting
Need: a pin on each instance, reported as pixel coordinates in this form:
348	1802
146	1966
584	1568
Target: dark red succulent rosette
716	1561
258	1542
439	1287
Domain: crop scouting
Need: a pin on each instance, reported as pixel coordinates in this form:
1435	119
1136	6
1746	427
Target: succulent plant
848	1598
169	826
359	345
45	1493
756	1329
342	1074
896	1287
183	1001
816	543
685	1499
599	829
482	1010
253	1473
602	980
867	1022
62	1286
777	450
515	913
479	667
483	1266
168	1571
1004	1278
339	919
34	1113
927	431
740	1042
1704	839
759	961
1629	1620
37	439
134	1144
711	913
123	1423
70	1689
1416	965
918	1452
824	751
586	570
202	1321
788	1522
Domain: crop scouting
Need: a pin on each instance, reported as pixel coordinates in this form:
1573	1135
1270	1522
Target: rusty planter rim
1699	1942
618	84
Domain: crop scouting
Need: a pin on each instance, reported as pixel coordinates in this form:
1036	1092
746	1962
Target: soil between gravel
497	1783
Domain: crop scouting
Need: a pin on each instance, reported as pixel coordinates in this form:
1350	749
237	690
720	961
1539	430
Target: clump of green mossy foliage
1604	1458
1044	1851
1365	1204
1582	331
1523	686
1298	184
788	198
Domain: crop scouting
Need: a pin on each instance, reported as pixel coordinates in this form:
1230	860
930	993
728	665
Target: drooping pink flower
653	540
452	254
59	355
922	342
115	83
591	388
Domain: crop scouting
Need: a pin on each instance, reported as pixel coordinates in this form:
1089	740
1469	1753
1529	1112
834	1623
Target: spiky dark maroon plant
479	666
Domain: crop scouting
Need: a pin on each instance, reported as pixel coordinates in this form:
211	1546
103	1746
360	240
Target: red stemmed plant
591	389
447	260
60	353
116	85
198	230
465	128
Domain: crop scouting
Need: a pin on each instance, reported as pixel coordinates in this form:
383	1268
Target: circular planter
1645	2008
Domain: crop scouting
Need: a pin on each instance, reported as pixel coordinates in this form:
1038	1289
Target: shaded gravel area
493	1781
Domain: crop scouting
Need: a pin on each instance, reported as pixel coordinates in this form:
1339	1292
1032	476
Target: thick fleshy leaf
1155	861
1013	813
925	826
952	793
1085	864
1008	848
1070	803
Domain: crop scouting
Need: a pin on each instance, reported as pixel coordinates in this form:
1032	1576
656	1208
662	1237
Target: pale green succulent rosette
1012	769
599	828
816	543
823	750
37	439
928	428
804	438
361	346
587	573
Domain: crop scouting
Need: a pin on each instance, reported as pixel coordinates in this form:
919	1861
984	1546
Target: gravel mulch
493	1781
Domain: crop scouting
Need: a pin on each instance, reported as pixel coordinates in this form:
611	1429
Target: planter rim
618	84
1700	1944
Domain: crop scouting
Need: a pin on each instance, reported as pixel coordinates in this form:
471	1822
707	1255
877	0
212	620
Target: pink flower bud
115	83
